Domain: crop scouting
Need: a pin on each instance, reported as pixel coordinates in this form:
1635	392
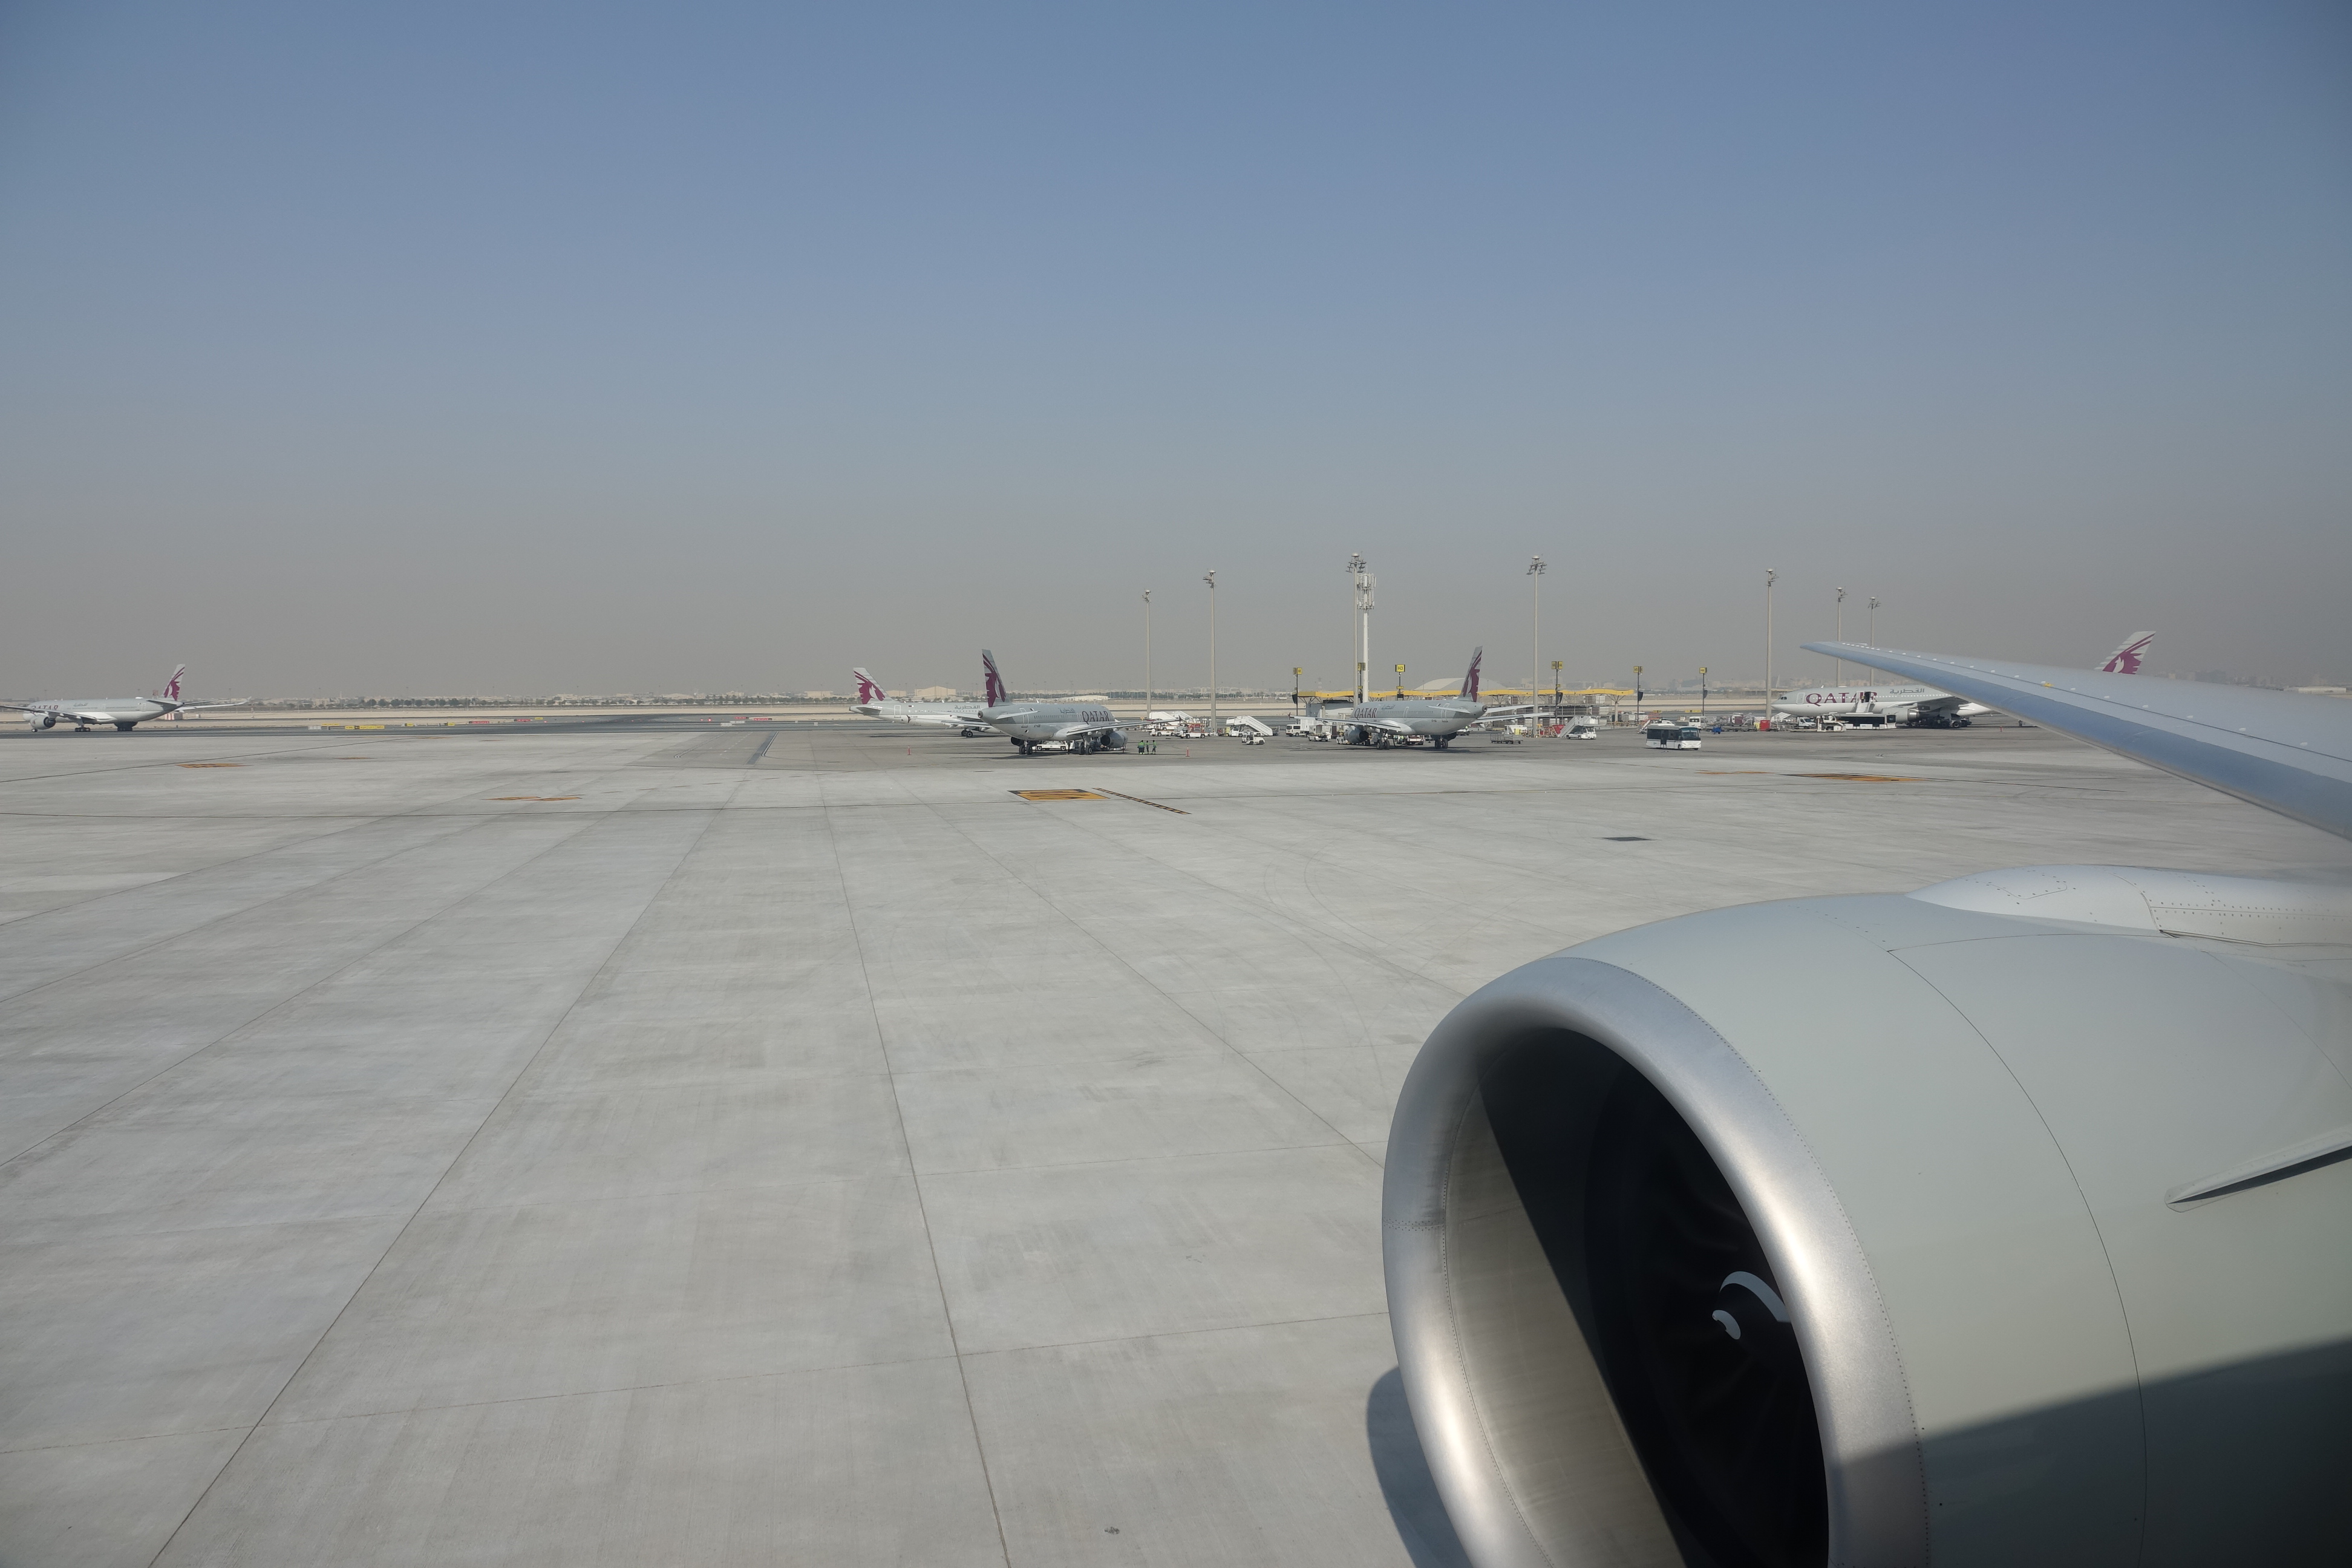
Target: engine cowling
44	720
1877	1231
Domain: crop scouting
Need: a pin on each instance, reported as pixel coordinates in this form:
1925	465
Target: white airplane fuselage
897	711
1905	704
1080	726
1028	724
122	712
1439	719
87	712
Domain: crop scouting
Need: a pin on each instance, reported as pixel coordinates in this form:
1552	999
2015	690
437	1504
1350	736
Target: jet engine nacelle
1114	740
1354	734
43	720
1887	1230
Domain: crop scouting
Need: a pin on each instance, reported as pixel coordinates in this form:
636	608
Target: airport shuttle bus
1673	737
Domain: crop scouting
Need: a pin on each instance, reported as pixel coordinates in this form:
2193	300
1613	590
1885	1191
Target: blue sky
507	347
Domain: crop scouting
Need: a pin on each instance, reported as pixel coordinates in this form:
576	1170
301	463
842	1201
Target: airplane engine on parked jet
1353	734
1114	740
1892	1230
44	720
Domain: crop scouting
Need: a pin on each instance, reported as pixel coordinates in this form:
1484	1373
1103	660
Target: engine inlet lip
1876	1478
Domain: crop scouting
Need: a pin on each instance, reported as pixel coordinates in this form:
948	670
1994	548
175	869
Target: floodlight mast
1535	644
1841	633
1363	581
1211	579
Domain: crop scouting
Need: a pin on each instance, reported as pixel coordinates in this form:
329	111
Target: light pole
1841	633
1295	671
1147	656
1211	579
1363	581
1637	691
1400	683
1535	644
1555	691
1769	577
1702	691
1874	623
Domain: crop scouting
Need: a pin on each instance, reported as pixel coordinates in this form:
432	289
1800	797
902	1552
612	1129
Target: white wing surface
2290	753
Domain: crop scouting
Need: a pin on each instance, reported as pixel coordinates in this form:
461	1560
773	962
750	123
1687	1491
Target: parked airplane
2023	1242
876	703
1435	720
1924	706
122	712
1911	704
1082	727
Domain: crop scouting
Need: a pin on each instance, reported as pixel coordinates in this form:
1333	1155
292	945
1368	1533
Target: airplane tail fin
869	688
2126	660
172	686
1470	678
995	682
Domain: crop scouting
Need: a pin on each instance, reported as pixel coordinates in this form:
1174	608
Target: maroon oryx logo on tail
868	689
172	686
1470	682
995	682
2126	659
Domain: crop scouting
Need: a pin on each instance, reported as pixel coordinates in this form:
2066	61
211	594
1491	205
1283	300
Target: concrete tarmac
621	1145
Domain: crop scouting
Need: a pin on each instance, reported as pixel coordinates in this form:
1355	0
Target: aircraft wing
2291	753
208	707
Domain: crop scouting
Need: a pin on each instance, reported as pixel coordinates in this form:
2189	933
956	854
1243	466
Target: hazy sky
512	347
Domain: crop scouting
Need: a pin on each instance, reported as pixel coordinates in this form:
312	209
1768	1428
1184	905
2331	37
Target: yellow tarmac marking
1057	794
1862	778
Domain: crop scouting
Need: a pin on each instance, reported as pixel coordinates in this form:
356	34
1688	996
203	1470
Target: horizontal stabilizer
2290	753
